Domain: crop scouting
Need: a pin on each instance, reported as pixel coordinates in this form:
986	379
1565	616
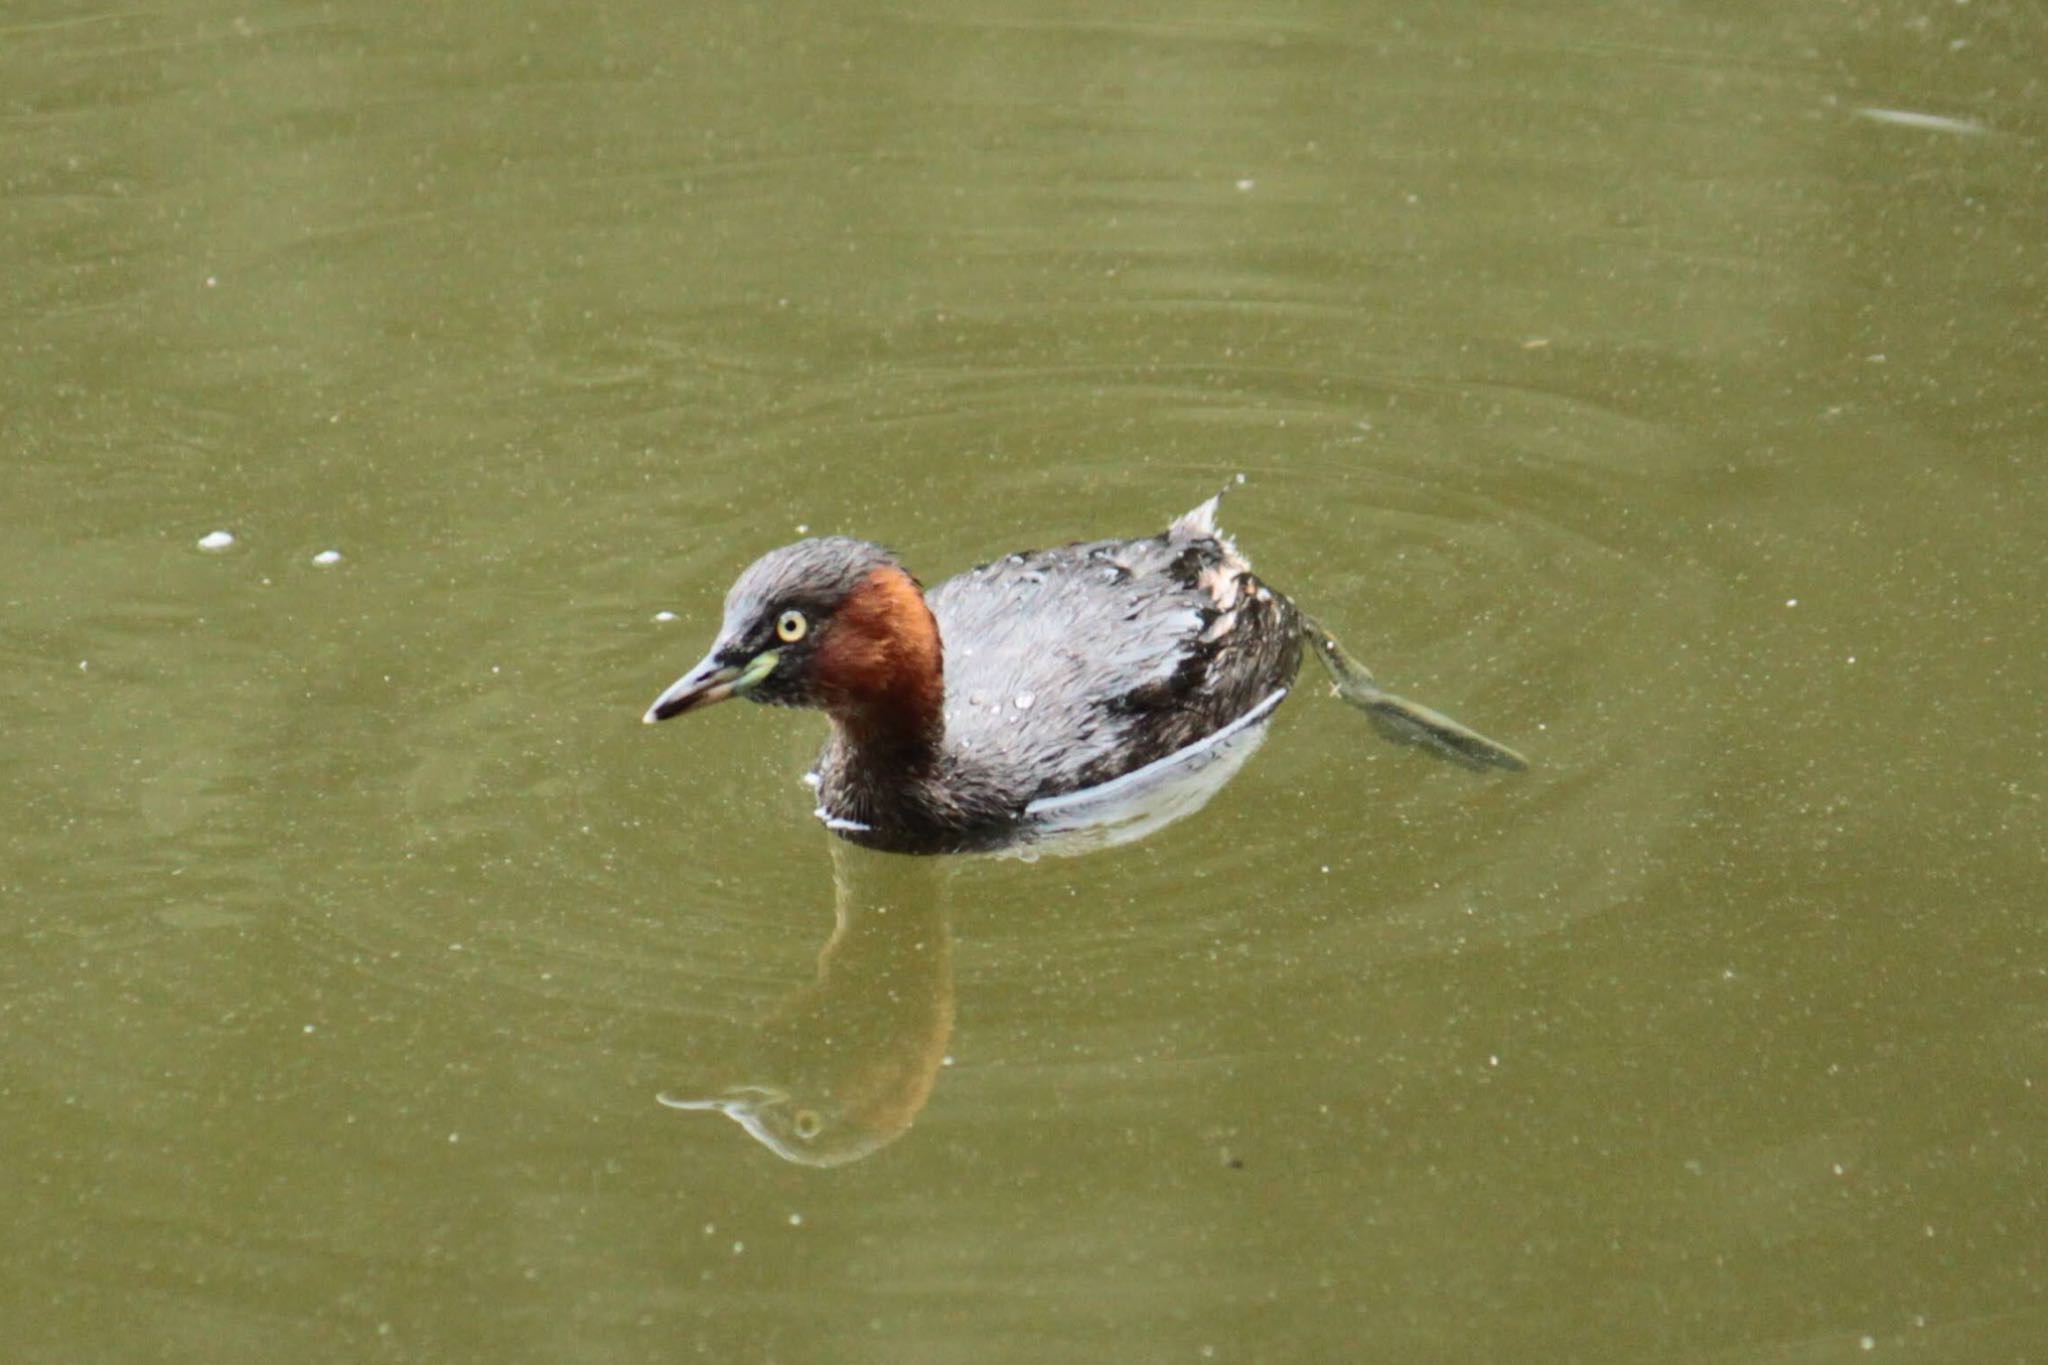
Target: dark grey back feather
1068	667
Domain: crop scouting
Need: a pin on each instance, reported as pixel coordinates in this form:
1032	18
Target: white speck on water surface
664	616
1246	185
84	664
1791	601
326	557
454	1137
803	528
796	1220
216	540
1931	123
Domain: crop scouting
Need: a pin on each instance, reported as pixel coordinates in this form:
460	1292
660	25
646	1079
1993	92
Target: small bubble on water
216	540
326	557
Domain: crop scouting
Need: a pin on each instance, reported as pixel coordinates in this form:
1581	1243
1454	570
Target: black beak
710	682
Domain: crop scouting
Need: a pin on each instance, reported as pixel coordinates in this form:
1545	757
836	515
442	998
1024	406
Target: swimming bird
959	717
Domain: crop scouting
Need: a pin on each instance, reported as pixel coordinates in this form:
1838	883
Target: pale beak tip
709	683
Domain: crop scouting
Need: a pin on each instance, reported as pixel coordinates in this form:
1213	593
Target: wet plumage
1079	664
1037	675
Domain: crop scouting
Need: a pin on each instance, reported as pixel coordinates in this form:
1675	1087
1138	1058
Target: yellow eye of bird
790	626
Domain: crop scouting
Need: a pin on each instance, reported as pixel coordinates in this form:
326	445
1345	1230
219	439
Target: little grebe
1042	674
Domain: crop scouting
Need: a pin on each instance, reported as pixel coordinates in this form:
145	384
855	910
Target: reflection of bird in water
957	718
844	1065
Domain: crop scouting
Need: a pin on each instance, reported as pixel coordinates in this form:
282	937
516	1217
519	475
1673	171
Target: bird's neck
882	671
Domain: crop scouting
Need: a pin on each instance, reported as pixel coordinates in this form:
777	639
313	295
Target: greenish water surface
1658	388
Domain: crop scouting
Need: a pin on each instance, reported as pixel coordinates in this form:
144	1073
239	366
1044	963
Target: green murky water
1659	389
